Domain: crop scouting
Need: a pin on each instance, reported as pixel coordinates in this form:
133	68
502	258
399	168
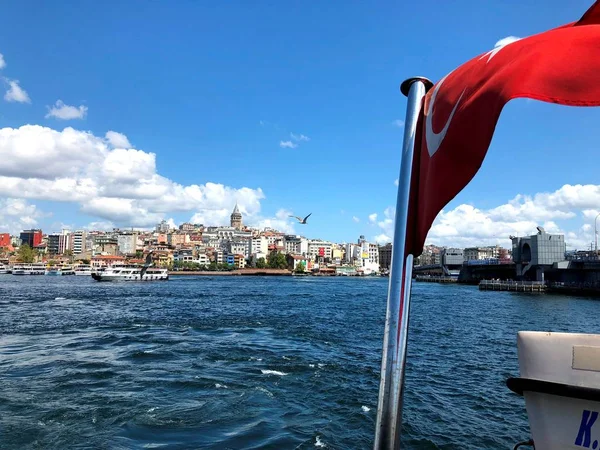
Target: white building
319	248
352	254
240	247
272	236
128	243
259	245
473	253
295	245
183	255
59	243
220	237
162	227
79	242
369	257
202	259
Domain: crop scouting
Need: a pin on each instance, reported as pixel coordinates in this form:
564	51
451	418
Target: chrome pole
391	387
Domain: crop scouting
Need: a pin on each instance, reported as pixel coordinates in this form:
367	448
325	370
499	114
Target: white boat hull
107	276
560	381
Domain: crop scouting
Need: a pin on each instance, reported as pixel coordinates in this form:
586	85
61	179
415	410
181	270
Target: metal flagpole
391	387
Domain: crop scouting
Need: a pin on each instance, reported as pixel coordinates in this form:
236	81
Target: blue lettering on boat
584	437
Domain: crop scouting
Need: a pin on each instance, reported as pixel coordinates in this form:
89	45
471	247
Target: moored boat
83	270
60	270
29	269
128	272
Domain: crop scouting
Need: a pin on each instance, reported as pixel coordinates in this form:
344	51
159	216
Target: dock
434	279
515	286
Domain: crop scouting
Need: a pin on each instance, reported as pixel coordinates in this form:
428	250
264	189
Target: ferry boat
129	272
60	270
83	270
4	269
29	269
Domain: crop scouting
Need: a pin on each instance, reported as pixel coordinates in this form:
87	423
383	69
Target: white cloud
118	185
287	144
99	226
355	219
2	62
15	92
396	182
398	123
507	40
66	112
280	222
372	217
17	214
299	137
117	140
558	212
382	238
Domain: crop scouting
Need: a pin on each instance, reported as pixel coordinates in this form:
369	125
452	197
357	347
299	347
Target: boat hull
131	277
559	379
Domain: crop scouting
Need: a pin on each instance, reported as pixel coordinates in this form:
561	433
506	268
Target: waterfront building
5	240
295	245
539	251
127	243
337	254
319	249
202	259
32	237
105	244
259	245
452	257
272	236
294	260
239	261
100	261
385	256
183	255
240	246
79	242
59	243
477	253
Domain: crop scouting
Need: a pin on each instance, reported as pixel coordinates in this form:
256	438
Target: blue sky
214	89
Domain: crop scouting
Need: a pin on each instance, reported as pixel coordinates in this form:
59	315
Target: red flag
459	115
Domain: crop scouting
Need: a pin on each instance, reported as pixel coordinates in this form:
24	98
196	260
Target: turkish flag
458	116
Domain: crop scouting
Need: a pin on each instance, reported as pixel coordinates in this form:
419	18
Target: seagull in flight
301	220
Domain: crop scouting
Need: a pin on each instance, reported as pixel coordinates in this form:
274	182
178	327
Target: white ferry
128	272
83	270
4	269
29	269
60	270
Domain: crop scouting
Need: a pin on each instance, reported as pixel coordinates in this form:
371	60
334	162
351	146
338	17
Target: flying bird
301	220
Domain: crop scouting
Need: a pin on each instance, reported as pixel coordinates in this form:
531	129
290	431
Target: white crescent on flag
433	139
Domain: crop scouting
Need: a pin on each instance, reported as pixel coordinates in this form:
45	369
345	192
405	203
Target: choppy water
232	363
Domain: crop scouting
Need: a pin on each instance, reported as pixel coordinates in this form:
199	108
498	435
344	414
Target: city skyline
135	127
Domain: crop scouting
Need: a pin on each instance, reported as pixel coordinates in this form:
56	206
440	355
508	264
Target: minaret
236	218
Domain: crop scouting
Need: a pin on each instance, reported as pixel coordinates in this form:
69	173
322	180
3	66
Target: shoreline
239	272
